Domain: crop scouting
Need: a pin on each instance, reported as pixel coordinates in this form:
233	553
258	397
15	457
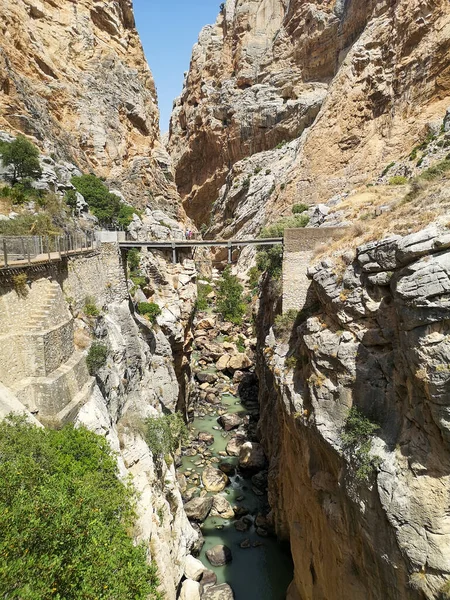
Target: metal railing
19	251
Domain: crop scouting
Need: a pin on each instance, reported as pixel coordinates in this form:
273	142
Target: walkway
180	244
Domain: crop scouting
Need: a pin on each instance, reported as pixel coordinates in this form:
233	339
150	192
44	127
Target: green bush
149	310
105	206
356	438
203	289
284	323
23	156
90	308
270	260
41	224
71	199
298	209
277	229
133	259
388	168
436	170
230	302
253	278
96	357
165	433
65	519
398	180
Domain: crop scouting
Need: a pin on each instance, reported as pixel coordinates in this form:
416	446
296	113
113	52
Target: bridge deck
201	243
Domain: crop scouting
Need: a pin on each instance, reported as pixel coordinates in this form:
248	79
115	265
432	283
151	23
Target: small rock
222	508
208	578
206	377
234	445
218	592
222	363
252	457
219	555
242	525
206	437
239	362
205	324
245	543
227	468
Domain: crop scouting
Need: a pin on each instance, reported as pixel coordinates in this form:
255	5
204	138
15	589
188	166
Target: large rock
230	421
198	509
218	592
205	324
193	568
205	377
190	590
234	445
219	555
239	362
222	363
214	480
252	457
222	508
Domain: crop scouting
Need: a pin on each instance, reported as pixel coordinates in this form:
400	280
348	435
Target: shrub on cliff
107	207
230	301
23	156
149	310
356	439
65	519
96	357
165	433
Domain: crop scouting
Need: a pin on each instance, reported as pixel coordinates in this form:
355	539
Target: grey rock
379	255
219	555
230	421
198	509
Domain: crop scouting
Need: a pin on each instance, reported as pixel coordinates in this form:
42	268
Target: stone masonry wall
300	245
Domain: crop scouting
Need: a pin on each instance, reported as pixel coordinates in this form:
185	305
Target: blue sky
168	30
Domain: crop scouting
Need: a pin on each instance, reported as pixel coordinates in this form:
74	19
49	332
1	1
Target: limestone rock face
356	84
379	342
73	76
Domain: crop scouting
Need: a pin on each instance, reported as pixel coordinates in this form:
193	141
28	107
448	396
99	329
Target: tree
230	302
23	156
65	519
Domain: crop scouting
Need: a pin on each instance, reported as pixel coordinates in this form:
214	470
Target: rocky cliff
362	495
73	76
352	85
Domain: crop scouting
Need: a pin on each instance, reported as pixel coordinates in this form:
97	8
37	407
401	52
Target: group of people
188	234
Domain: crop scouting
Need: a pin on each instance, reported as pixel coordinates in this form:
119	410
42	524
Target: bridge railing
19	251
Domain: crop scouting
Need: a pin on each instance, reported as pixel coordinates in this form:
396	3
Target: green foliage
277	229
20	284
71	199
284	323
270	260
41	224
240	344
436	170
298	209
96	357
398	180
65	518
246	183
23	156
133	259
203	289
291	363
281	144
356	438
90	308
230	303
105	206
388	168
165	433
139	281
253	278
149	310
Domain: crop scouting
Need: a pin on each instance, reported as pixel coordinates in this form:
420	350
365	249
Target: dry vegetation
380	211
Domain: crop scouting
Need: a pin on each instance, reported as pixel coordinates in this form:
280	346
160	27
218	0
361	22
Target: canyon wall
74	78
351	85
366	518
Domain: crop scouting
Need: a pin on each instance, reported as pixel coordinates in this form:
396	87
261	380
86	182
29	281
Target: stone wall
300	246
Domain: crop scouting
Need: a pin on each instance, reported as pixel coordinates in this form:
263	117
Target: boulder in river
239	362
193	568
208	578
190	590
205	377
206	438
252	457
214	480
242	524
218	592
234	445
198	509
227	468
222	363
222	508
230	421
219	555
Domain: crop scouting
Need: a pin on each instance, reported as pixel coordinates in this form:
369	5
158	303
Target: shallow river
263	571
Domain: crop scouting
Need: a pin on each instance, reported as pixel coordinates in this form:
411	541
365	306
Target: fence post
48	247
174	253
230	253
28	251
22	243
5	253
